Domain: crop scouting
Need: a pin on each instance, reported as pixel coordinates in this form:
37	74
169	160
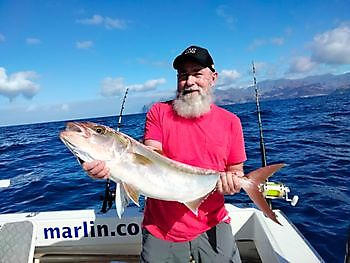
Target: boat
100	236
92	236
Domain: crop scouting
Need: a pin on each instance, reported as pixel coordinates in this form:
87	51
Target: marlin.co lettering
90	230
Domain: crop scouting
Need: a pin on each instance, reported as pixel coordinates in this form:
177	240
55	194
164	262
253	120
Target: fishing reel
276	190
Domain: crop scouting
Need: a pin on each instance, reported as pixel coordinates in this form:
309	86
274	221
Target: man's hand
96	169
230	182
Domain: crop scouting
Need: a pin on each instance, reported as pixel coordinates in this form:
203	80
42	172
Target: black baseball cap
197	54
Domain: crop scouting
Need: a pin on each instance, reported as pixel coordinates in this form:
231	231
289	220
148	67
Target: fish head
90	141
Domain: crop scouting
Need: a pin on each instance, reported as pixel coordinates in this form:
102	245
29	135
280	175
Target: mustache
186	91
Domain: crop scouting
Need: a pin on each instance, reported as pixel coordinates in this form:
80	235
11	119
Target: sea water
310	135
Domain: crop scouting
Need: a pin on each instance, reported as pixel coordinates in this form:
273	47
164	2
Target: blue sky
63	60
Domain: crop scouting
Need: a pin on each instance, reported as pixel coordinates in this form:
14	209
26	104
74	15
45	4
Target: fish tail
253	190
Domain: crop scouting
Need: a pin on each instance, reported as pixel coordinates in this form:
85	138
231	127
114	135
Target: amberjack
138	169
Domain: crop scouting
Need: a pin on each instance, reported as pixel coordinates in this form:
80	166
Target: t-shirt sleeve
153	130
237	151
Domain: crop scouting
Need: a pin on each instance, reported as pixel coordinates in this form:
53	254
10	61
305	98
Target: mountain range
282	89
286	88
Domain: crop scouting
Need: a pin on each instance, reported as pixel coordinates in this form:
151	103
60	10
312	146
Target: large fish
139	170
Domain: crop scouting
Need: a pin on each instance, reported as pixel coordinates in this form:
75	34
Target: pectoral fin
121	199
132	192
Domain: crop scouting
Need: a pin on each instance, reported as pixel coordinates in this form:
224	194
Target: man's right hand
96	169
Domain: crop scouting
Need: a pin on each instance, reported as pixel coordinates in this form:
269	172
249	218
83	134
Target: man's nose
190	80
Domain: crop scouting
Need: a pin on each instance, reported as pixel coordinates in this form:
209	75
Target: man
193	130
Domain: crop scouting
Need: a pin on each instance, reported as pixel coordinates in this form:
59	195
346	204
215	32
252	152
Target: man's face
194	90
193	79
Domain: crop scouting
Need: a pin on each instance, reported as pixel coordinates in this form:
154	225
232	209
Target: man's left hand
230	182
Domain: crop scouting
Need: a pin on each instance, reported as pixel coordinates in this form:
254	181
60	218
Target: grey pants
215	245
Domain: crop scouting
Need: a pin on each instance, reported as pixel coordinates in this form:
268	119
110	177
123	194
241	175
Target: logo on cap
191	50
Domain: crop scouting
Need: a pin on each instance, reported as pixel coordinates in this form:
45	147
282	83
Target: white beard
193	105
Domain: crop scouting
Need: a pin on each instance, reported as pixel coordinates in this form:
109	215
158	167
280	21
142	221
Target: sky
63	60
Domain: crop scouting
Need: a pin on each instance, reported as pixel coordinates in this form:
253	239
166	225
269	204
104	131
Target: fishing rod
271	190
262	144
110	194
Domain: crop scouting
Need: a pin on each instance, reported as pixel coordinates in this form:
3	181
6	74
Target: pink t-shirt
212	141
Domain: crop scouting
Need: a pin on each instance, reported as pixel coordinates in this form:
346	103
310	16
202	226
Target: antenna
109	194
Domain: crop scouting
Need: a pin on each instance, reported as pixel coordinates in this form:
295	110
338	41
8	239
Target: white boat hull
90	233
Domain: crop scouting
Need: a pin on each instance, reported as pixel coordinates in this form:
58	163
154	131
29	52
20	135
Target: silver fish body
138	170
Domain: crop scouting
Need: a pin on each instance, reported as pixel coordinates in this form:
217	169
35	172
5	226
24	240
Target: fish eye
99	130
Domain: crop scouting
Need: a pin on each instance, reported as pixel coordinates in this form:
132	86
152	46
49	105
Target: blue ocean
310	135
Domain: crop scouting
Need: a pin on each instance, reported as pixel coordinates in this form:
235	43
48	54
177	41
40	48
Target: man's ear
215	77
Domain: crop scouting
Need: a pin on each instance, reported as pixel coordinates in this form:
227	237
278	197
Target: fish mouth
73	127
81	156
76	127
81	127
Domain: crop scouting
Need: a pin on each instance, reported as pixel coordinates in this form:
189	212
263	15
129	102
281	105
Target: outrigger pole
109	194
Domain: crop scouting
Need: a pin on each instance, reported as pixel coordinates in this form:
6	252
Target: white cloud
107	22
301	65
32	108
65	107
84	44
332	47
2	38
114	23
277	41
112	87
227	77
95	20
222	12
18	83
33	41
256	43
116	87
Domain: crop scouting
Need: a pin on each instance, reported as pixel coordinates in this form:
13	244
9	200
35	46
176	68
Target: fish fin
254	192
193	205
257	197
132	192
121	199
141	159
260	175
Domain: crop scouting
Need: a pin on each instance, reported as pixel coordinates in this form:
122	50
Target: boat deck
247	251
87	236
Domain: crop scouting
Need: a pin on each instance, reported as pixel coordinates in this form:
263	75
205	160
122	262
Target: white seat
17	242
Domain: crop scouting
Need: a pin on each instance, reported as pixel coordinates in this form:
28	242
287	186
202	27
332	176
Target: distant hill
286	88
283	89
